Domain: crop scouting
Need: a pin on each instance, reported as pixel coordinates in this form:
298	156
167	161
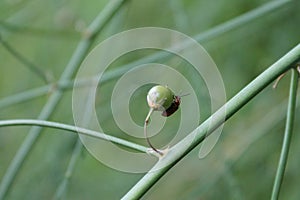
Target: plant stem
242	19
35	69
43	90
24	96
202	37
287	135
47	33
74	63
205	36
182	148
75	129
64	183
145	132
252	135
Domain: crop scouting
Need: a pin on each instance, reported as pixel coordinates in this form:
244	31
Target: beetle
173	107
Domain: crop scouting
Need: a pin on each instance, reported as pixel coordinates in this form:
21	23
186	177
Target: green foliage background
242	164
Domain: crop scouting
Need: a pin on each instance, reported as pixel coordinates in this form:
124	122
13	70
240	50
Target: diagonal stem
202	37
30	65
186	145
69	172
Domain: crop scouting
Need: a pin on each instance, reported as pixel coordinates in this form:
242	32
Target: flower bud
160	97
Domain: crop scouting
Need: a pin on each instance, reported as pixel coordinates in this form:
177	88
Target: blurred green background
243	163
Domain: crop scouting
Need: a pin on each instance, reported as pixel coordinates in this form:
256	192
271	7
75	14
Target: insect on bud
173	107
160	98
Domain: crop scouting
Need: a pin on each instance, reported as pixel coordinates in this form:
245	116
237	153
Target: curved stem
186	145
79	54
145	132
287	135
75	129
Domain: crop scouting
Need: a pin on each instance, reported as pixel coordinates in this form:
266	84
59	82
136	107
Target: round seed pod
160	98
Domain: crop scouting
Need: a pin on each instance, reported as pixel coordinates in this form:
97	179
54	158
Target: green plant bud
160	97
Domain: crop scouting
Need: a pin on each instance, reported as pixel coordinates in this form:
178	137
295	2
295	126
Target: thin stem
63	185
145	132
250	136
205	36
35	69
49	33
43	90
74	63
287	135
148	116
75	129
186	145
202	37
24	96
242	19
77	58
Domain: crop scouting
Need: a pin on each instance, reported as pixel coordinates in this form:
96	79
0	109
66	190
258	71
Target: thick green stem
181	149
287	135
79	55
